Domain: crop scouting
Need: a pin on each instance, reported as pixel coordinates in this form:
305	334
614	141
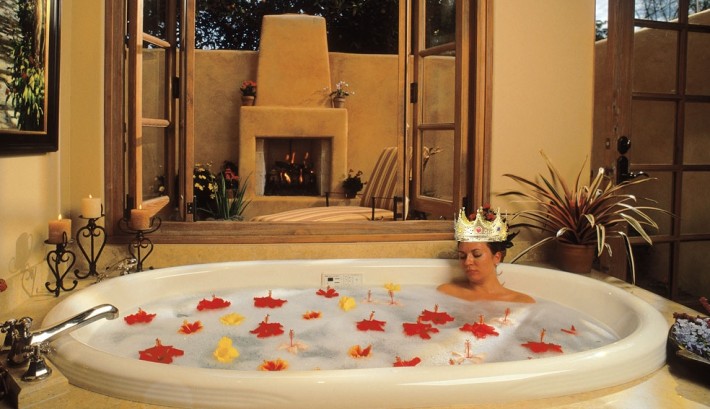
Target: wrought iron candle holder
140	246
56	259
96	236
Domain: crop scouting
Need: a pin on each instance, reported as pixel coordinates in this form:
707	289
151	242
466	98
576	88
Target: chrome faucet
29	346
123	266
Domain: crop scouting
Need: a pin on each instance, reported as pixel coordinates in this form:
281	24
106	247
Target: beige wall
543	92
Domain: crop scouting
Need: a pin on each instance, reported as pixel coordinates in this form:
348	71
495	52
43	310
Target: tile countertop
665	388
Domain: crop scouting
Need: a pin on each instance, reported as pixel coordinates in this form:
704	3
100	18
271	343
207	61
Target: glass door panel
697	78
655	61
653	128
436	169
696	148
656	10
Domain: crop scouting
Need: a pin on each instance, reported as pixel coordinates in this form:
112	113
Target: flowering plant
219	196
352	182
341	90
248	88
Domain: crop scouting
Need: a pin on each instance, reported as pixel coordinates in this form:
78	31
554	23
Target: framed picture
29	77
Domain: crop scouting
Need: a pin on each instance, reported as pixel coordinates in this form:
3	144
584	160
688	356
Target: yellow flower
347	303
392	287
225	352
231	319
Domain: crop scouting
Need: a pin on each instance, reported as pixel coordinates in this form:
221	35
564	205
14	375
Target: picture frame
29	89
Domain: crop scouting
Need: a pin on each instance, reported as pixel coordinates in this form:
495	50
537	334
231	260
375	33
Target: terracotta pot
338	102
574	258
248	100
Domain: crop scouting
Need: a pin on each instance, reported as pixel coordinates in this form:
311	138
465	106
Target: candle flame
60	217
90	196
140	207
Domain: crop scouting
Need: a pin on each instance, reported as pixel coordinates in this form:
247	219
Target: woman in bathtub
482	244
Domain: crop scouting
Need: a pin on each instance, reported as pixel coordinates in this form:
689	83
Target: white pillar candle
91	207
140	219
57	229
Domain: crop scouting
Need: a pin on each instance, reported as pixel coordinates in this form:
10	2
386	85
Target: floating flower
268	302
436	317
347	303
275	365
225	352
214	304
505	319
190	328
267	329
371	324
539	347
293	346
328	293
572	330
160	353
391	289
419	328
356	351
467	356
369	299
398	362
312	315
141	317
231	319
479	329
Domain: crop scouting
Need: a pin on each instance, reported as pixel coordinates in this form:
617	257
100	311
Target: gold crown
480	229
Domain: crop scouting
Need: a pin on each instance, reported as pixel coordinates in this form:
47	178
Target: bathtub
639	351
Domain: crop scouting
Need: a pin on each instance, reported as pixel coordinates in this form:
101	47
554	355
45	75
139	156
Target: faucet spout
107	311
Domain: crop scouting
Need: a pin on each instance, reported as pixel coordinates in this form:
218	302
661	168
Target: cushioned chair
378	200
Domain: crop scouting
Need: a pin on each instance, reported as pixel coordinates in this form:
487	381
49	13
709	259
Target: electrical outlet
341	280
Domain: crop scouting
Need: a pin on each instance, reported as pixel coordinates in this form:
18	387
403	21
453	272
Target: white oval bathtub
640	350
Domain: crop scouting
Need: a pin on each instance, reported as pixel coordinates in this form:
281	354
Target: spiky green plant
583	215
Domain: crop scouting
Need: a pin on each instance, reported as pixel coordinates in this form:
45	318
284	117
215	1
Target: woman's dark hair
502	246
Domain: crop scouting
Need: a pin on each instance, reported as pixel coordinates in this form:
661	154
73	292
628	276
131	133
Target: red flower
479	329
540	347
419	328
312	315
371	324
436	317
215	304
328	293
160	353
188	328
267	329
412	362
139	317
268	302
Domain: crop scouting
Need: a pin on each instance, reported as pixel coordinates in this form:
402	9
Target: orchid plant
341	90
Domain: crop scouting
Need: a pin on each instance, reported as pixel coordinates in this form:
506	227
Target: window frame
179	232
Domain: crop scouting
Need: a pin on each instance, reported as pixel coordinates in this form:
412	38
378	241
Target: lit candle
140	219
57	229
91	207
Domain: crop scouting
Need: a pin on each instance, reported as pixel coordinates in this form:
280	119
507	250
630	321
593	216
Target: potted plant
248	90
339	94
580	217
352	184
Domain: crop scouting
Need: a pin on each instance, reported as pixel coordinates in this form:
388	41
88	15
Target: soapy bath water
328	339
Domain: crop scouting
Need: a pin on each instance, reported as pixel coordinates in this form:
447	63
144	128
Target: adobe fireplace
295	166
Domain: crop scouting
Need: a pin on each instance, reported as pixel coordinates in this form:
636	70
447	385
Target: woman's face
478	261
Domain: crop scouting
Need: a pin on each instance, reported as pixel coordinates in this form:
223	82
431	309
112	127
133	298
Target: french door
653	113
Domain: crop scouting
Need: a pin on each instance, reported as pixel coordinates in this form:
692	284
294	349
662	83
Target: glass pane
654	61
657	10
153	159
438	89
695	217
698	81
154	15
653	130
656	193
437	164
440	22
653	267
154	83
697	6
602	19
693	282
696	145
